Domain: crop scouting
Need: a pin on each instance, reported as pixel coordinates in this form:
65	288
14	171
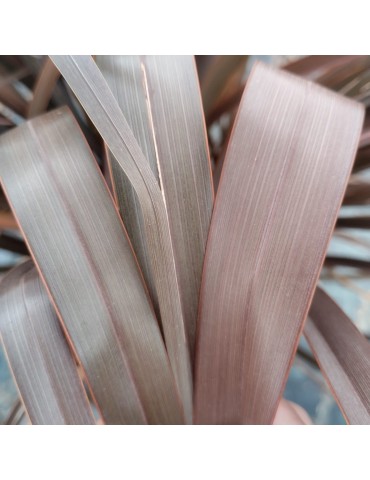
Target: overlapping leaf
160	98
183	160
80	246
287	164
125	78
43	368
91	89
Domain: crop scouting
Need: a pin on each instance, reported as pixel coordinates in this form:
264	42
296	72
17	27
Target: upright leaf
79	243
90	87
274	213
185	171
39	357
124	76
160	97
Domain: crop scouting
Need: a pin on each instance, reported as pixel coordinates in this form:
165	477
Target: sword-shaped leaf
124	76
285	172
78	241
160	98
90	87
39	357
343	354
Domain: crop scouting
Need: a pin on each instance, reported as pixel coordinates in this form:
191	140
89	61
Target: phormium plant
147	297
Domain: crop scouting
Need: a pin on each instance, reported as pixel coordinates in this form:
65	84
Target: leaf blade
43	89
45	373
264	216
79	243
90	87
160	97
343	354
185	170
124	77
